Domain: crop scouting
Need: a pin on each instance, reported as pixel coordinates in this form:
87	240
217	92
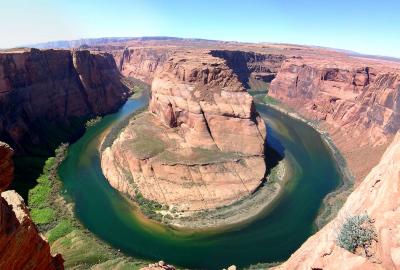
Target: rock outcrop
378	196
141	63
204	141
355	100
21	245
46	96
252	66
6	165
359	98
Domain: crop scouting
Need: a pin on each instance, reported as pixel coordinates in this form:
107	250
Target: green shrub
43	215
92	122
38	197
270	100
61	229
357	231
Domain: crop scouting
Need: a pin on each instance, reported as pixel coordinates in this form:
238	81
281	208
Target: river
271	237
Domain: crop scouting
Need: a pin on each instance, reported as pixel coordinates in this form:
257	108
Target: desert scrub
148	207
39	198
64	227
270	100
356	231
92	122
135	86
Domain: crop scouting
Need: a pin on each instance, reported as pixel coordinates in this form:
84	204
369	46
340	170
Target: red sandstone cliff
378	196
44	91
346	93
202	146
21	245
355	100
141	63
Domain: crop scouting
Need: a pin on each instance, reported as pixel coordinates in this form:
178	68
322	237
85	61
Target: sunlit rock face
21	245
210	138
358	97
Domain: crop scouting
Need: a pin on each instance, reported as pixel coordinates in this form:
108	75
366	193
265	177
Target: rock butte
202	145
355	99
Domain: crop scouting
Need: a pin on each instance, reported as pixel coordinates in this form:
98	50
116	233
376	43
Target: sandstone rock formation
202	147
6	165
21	245
348	94
47	94
141	63
378	196
355	100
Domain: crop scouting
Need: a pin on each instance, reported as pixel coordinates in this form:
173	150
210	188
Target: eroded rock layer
358	97
378	196
47	94
202	145
21	245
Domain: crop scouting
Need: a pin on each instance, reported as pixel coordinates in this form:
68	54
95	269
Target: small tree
357	231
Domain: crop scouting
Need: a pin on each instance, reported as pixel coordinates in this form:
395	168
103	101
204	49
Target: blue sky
365	26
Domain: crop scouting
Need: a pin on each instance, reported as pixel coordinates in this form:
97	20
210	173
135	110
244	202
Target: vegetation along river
272	237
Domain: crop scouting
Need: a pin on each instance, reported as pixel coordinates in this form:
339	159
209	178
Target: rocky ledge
200	146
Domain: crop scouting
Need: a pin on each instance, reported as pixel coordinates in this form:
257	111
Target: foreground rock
21	245
46	96
6	165
378	196
203	145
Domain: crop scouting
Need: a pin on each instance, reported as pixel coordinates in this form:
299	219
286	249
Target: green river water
272	237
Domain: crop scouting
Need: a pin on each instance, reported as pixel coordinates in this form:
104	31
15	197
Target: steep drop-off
47	94
202	146
141	63
21	245
379	196
356	101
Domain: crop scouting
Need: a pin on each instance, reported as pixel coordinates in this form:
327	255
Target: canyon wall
347	94
251	66
21	245
47	94
141	63
355	100
378	195
204	141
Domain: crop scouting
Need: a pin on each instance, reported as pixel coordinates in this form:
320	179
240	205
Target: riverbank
334	200
56	220
240	212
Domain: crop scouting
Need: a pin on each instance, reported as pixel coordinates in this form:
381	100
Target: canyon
206	139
